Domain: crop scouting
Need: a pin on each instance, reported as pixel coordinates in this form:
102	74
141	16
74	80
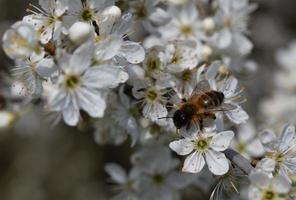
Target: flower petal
237	115
116	172
182	147
132	52
221	141
217	162
281	185
82	58
287	139
193	163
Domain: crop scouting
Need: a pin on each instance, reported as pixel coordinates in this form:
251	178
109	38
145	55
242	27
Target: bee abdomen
213	98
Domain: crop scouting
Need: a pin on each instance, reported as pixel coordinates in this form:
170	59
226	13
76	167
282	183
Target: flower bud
79	32
209	24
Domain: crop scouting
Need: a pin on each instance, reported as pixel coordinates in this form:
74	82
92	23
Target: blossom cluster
125	68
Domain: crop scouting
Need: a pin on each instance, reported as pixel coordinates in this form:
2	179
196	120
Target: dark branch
240	161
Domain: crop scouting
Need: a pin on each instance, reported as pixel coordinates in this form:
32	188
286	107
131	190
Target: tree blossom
204	148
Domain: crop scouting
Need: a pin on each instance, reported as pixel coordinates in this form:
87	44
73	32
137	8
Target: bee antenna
165	117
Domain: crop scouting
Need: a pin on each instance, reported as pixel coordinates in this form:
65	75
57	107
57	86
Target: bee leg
201	126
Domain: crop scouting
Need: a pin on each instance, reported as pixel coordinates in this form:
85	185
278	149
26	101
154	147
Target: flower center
186	30
242	147
151	95
72	81
153	64
268	195
141	11
201	144
158	179
186	75
87	15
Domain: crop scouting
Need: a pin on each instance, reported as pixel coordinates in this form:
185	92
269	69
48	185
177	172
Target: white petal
71	111
267	136
242	44
132	52
193	163
255	148
281	185
222	39
237	115
267	165
82	58
229	87
104	76
246	132
221	141
92	102
116	172
45	67
260	179
287	138
217	162
182	147
154	111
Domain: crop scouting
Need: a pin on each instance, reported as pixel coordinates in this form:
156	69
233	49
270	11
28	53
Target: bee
202	104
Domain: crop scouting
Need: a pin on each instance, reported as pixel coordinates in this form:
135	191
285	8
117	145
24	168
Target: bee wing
223	107
202	87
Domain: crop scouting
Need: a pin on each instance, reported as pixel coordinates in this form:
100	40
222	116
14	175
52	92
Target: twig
240	161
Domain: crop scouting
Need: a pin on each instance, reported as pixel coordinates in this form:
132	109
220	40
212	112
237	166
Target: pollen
72	81
201	144
151	95
87	15
186	30
268	195
186	75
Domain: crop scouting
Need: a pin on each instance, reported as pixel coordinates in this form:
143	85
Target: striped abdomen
210	99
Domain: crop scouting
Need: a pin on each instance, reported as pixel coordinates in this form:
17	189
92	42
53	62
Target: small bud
6	119
79	32
209	25
206	52
112	12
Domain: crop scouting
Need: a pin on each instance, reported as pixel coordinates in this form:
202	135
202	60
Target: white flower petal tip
217	162
181	147
222	140
194	163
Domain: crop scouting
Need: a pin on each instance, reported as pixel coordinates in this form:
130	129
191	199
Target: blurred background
38	162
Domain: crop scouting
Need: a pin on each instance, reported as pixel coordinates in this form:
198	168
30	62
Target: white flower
204	148
112	43
48	19
179	56
153	98
281	151
247	143
89	11
184	24
233	97
232	17
33	72
159	178
126	114
264	187
82	86
20	41
127	183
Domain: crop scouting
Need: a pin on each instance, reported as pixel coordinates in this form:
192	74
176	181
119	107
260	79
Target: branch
240	161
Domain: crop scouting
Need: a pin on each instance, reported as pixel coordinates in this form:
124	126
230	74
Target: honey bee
202	104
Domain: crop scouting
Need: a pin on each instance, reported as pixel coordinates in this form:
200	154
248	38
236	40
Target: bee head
179	119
